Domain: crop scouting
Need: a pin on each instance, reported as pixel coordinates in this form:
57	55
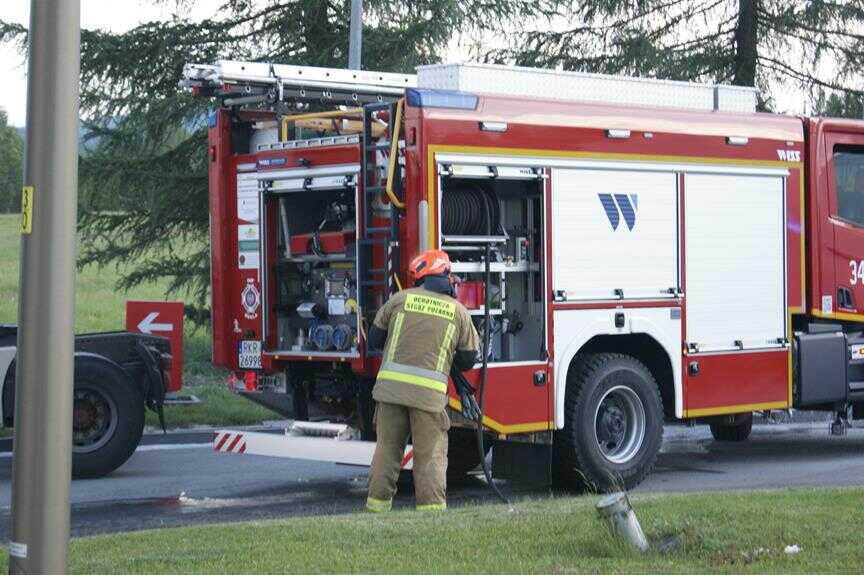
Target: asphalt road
184	483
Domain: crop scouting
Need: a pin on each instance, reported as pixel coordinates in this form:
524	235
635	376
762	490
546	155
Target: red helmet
430	262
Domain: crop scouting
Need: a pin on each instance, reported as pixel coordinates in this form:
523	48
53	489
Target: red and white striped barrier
310	448
408	458
229	442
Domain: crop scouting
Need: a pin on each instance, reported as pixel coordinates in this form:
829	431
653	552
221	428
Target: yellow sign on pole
27	209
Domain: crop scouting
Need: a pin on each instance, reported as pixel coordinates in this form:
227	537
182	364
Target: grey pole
355	47
42	465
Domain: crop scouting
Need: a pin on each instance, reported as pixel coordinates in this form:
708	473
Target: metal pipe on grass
623	523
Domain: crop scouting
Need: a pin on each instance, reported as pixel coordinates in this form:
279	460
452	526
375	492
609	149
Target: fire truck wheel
613	424
108	417
739	430
462	455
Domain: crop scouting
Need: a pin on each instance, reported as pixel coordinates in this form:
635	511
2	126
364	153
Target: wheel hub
84	416
93	419
620	424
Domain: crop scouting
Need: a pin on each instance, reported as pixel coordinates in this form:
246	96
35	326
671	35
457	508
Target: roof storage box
583	87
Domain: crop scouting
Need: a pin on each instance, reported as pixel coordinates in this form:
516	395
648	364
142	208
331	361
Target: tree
11	166
771	44
838	105
147	161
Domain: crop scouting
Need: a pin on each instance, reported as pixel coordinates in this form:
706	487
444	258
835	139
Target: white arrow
147	325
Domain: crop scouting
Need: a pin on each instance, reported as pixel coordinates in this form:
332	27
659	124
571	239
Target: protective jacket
425	330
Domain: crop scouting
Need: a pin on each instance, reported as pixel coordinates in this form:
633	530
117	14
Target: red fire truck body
649	262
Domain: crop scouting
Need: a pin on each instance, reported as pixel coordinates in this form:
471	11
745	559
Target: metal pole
355	47
42	465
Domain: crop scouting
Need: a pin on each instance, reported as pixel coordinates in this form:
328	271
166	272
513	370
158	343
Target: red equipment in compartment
470	294
327	242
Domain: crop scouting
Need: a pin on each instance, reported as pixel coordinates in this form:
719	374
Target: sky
122	15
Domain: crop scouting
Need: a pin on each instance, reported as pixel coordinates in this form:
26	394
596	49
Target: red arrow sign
164	319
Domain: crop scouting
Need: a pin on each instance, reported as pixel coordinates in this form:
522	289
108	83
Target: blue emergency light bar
425	98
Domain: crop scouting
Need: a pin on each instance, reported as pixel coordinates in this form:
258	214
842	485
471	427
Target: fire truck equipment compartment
506	208
314	247
322	242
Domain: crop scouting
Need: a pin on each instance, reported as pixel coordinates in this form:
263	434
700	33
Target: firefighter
426	332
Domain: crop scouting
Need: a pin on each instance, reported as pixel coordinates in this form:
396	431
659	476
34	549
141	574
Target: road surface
184	483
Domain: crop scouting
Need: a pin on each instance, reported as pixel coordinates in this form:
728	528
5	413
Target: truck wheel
108	418
738	430
613	424
462	455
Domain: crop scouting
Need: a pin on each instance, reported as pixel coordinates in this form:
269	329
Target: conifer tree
11	158
814	45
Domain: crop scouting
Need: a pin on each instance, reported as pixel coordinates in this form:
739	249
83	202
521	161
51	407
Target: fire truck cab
658	251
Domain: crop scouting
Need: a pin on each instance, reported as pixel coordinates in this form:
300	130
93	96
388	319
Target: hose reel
465	208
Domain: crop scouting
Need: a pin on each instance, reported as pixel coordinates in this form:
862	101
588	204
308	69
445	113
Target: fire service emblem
251	299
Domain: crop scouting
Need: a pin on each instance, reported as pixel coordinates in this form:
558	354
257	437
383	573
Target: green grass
740	532
99	306
219	407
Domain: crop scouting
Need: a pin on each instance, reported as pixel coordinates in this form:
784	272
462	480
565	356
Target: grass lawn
99	306
218	406
722	532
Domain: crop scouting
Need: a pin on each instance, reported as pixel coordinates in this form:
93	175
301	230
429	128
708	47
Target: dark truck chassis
117	375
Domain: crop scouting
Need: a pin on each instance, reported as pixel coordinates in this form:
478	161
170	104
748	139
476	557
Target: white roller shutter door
735	261
614	234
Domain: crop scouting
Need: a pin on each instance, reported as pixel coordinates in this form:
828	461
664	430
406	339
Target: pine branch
787	70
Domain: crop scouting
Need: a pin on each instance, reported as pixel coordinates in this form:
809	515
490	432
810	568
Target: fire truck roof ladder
247	81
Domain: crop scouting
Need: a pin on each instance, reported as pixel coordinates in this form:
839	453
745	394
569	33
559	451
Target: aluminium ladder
368	277
255	82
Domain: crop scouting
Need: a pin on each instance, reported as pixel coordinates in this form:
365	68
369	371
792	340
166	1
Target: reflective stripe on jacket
424	330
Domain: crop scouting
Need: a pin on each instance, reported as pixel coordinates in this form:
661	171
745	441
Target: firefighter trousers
428	431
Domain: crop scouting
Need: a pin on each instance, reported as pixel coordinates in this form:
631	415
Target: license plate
249	356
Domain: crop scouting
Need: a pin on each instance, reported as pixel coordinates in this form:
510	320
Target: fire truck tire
613	424
108	419
738	431
462	454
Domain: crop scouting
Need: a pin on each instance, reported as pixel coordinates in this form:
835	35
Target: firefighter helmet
430	262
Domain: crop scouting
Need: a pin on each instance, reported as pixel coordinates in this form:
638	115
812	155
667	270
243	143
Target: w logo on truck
619	206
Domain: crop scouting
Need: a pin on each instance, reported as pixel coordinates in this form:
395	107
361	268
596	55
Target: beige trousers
428	431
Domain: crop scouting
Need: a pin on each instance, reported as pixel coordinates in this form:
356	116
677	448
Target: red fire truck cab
659	251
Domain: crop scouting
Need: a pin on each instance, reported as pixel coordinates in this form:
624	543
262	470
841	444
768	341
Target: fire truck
635	252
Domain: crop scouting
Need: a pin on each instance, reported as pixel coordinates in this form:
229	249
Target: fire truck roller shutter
735	261
614	234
